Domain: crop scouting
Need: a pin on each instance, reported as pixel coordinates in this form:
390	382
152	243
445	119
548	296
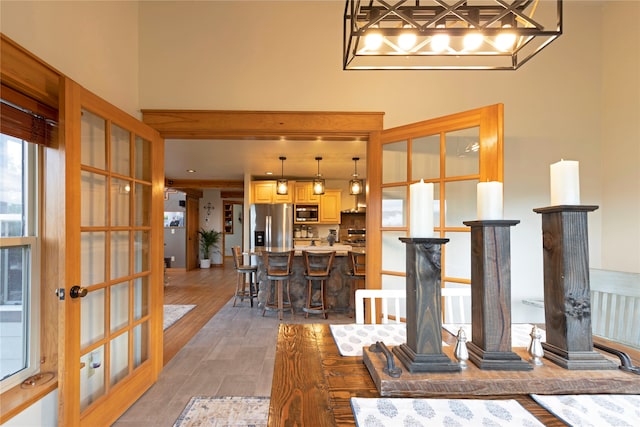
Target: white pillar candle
489	200
565	183
421	211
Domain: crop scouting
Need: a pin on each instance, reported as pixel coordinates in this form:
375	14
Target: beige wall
93	42
578	99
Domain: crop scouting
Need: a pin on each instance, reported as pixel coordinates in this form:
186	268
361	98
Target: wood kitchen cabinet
265	192
330	206
303	193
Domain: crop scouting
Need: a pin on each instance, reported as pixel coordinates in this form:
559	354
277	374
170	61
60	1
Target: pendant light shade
282	187
318	182
355	185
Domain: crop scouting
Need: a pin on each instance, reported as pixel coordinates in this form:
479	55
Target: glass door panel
141	248
460	199
143	159
142	205
119	301
394	206
93	136
140	298
92	371
93	199
92	318
119	357
425	158
119	254
393	251
140	344
93	259
120	202
394	162
120	151
462	152
460	245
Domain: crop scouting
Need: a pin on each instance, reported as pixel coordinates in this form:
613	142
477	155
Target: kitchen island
338	288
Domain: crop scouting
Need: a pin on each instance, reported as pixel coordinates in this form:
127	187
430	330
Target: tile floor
232	355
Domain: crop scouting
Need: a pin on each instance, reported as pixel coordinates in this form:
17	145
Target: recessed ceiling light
191	170
268	173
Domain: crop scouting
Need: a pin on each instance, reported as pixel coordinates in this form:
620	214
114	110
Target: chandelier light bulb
373	41
407	40
472	41
505	40
439	42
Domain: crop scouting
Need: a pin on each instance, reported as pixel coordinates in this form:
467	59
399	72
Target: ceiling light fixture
318	182
447	34
355	185
282	187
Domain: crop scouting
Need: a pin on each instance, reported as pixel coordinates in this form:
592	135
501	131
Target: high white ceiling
232	159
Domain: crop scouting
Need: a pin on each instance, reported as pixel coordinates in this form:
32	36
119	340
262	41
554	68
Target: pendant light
318	182
282	187
355	185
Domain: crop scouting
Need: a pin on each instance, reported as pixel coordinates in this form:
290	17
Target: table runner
350	338
440	412
598	410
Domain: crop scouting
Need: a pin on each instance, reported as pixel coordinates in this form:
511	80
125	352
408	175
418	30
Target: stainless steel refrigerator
272	226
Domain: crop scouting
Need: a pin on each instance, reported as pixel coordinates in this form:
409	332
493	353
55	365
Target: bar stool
317	268
242	271
278	268
357	272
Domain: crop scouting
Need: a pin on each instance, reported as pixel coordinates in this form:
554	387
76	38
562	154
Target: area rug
174	312
224	411
382	412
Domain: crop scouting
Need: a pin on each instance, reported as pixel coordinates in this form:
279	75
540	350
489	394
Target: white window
19	262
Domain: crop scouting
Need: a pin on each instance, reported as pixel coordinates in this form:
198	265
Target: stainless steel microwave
306	213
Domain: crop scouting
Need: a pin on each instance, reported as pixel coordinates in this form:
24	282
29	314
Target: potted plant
209	239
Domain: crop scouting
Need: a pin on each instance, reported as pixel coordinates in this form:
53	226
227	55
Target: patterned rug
173	313
224	411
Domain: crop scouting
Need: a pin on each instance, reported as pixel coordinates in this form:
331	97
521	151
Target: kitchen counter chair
317	268
278	269
358	274
244	270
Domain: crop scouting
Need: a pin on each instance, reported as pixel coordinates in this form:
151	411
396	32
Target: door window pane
142	205
394	162
91	377
458	255
143	159
393	251
119	254
93	199
140	344
119	366
93	151
394	206
92	258
140	297
120	154
141	248
460	202
119	306
463	149
120	202
425	158
92	310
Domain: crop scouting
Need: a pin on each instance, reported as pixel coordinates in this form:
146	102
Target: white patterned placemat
350	338
597	410
519	332
440	412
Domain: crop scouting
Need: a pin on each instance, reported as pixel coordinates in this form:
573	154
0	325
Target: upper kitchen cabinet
303	193
330	207
265	192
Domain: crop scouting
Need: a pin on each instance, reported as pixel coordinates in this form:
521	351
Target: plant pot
205	263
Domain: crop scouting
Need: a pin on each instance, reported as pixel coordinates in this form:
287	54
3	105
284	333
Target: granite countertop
341	250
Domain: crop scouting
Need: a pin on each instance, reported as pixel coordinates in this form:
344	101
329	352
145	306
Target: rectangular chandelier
447	34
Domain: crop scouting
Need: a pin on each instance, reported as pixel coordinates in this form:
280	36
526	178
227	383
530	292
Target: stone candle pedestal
423	350
490	346
567	299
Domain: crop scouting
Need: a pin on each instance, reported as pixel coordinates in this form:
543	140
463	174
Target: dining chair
456	303
367	298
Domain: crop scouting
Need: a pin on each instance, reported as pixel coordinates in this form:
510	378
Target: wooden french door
454	152
111	323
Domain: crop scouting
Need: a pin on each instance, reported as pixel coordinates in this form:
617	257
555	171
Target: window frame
31	275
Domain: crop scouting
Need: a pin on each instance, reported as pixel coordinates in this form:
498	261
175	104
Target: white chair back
456	303
370	296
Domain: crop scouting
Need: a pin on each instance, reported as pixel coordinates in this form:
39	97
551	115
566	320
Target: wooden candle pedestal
423	350
490	346
567	299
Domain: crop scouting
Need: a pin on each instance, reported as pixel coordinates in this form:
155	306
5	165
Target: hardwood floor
208	289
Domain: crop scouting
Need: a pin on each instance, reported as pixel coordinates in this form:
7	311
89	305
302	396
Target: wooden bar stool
278	268
317	268
358	273
241	283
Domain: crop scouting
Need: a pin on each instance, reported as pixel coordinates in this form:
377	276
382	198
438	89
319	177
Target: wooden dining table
313	384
